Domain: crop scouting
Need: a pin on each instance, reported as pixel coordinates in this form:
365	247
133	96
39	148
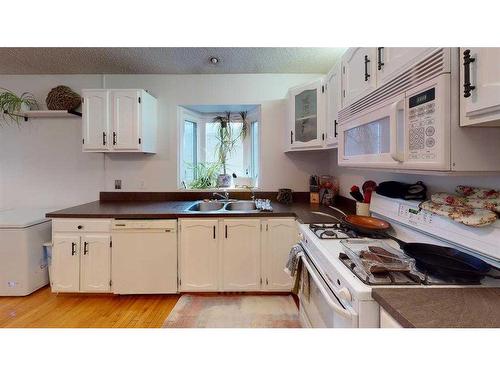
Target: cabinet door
240	257
358	73
479	67
280	236
308	116
333	105
198	255
126	120
95	120
393	60
65	268
95	268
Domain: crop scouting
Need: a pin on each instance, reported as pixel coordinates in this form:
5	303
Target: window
190	147
200	166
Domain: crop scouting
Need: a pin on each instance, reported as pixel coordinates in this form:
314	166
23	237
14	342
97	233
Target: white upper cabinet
95	120
307	116
125	119
333	105
119	121
241	255
479	86
393	60
358	73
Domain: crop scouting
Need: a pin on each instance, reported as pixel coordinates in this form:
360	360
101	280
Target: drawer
81	225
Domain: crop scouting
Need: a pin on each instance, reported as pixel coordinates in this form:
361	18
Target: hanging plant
11	105
245	127
227	141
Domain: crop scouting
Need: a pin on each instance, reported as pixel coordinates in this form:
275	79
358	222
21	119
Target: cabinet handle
214	232
226	231
291	137
335	124
85	248
267	281
73	248
114	138
467	85
366	68
380	63
104	138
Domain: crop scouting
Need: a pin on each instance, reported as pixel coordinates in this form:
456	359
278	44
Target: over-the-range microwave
412	123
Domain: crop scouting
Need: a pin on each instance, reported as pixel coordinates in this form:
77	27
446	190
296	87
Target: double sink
224	206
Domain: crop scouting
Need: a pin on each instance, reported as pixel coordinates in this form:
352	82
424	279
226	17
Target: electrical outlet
118	184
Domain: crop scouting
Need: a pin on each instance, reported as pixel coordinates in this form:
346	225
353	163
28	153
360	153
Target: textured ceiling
166	60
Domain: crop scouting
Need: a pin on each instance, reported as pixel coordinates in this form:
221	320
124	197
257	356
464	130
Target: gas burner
339	231
332	231
416	277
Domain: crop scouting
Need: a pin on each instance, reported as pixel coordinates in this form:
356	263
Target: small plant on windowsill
227	140
206	175
12	106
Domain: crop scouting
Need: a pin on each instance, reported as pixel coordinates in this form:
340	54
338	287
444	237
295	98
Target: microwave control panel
422	121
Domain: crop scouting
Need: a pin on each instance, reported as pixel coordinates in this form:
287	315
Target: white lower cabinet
95	263
199	255
240	256
81	261
279	235
246	254
65	268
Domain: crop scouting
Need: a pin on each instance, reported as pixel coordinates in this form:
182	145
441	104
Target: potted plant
12	106
205	175
227	140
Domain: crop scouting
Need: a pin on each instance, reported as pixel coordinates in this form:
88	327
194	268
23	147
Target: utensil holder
362	209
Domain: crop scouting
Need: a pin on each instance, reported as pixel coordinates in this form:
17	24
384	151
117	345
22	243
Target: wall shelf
46	114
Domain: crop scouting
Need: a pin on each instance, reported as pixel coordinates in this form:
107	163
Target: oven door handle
395	130
335	306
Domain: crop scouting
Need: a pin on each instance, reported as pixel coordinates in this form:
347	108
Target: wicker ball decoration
62	98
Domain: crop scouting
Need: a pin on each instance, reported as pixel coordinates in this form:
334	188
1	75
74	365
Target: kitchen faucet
224	197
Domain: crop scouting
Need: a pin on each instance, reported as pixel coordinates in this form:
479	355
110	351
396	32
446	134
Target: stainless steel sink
207	206
246	206
221	206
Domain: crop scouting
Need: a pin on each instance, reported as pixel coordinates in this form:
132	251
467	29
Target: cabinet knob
80	227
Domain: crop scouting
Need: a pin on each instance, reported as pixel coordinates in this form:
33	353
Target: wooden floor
44	309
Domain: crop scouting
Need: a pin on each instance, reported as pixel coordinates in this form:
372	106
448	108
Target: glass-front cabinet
307	116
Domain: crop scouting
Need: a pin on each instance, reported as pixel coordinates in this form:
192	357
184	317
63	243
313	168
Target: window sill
216	190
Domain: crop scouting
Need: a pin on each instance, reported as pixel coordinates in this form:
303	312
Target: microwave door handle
395	108
334	306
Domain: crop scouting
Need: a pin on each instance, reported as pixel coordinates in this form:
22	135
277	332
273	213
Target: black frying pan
442	259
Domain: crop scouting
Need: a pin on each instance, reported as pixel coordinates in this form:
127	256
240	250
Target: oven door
375	139
319	307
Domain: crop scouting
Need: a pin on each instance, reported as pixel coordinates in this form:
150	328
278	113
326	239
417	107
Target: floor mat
234	311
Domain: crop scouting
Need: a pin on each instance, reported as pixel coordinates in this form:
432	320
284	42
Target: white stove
330	282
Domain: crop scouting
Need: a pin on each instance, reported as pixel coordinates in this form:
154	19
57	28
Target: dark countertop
441	307
177	209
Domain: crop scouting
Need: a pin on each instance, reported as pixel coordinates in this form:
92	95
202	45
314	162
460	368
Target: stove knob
301	236
345	294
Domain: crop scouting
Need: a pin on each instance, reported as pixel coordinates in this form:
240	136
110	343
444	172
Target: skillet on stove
435	259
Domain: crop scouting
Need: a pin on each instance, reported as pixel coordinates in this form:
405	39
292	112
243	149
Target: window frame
200	119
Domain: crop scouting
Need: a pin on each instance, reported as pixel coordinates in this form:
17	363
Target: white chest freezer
23	262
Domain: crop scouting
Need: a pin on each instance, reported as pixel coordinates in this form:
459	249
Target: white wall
158	172
41	162
350	176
